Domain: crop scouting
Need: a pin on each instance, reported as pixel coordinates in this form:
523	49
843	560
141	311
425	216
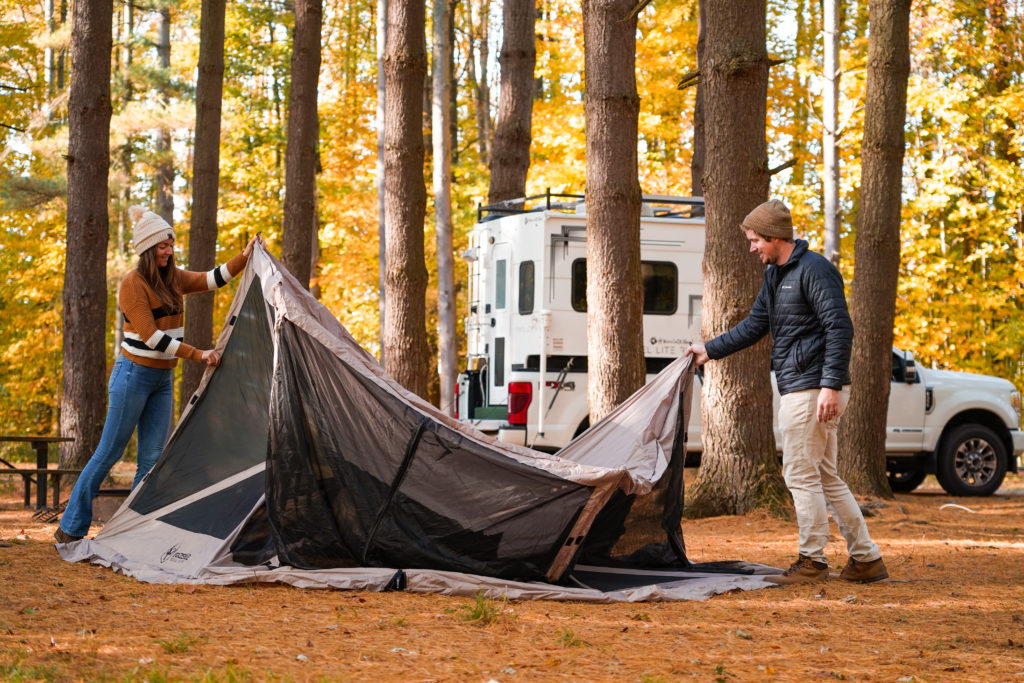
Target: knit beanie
150	230
771	219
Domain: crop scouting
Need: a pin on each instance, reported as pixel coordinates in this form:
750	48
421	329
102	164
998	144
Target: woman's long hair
163	281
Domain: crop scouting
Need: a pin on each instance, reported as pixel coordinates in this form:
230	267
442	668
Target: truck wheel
906	480
971	462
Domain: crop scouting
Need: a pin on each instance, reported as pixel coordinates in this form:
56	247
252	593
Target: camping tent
299	460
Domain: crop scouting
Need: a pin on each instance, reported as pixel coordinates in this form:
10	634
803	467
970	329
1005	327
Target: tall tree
164	175
830	129
479	80
611	105
406	355
447	341
699	143
83	397
303	136
739	467
202	235
126	27
877	248
382	33
510	151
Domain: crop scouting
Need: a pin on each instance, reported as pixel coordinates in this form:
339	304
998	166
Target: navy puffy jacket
802	305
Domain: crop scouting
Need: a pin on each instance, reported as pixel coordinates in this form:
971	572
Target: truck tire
906	480
971	461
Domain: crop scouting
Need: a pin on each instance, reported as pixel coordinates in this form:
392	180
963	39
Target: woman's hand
211	357
258	239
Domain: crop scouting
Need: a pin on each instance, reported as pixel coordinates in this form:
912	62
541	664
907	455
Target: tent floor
611	579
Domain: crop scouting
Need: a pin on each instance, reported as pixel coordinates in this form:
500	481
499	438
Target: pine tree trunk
615	352
303	136
483	88
382	32
830	130
83	393
877	249
202	236
739	466
699	150
510	151
405	339
164	166
447	341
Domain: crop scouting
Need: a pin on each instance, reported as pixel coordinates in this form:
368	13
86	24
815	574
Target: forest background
963	181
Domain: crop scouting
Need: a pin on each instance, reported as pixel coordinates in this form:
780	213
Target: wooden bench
39	475
29	476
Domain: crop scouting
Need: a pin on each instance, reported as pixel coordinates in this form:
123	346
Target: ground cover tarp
299	460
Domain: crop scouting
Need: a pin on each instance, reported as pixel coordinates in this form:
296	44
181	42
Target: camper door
497	306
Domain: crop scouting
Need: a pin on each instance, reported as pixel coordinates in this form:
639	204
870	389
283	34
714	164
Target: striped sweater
152	334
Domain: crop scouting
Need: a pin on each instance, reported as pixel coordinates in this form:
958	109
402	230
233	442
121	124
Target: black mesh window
526	287
499	362
660	282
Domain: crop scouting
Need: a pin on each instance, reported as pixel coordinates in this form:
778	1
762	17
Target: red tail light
520	394
456	408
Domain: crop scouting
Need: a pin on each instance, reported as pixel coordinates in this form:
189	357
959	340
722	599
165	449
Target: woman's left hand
258	239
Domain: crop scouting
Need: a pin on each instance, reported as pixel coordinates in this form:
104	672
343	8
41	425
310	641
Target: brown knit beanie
771	219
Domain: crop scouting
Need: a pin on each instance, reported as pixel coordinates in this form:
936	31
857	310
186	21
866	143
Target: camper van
525	380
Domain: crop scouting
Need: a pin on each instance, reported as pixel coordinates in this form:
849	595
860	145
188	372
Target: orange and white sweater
152	334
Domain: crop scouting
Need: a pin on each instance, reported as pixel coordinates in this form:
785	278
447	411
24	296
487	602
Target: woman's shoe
64	537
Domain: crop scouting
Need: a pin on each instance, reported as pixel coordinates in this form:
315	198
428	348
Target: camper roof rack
659	206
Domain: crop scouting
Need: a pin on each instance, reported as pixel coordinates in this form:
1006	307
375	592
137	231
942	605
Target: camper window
499	284
660	280
526	287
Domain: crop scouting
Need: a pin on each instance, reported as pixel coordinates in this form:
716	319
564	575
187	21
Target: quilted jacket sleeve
747	332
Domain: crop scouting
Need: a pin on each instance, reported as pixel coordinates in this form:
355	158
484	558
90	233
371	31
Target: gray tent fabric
299	460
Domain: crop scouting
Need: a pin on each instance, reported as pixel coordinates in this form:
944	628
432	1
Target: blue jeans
138	397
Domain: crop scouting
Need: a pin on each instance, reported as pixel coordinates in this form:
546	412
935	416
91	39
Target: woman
141	384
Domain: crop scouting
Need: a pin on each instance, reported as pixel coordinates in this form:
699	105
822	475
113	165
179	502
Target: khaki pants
809	450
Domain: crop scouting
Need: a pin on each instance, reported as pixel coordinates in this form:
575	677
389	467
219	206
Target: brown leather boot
804	570
864	572
64	537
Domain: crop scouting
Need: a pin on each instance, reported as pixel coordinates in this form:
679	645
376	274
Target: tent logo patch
172	555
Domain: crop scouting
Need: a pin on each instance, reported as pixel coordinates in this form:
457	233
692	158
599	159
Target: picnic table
42	471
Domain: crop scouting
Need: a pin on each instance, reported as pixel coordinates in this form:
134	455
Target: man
802	305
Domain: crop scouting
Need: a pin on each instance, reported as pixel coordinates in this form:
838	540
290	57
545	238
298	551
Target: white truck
526	373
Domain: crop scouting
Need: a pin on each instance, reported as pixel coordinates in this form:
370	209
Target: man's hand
828	404
699	353
211	357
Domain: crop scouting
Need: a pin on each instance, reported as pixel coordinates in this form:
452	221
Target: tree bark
877	249
303	136
614	291
510	151
739	466
83	395
447	340
202	240
405	337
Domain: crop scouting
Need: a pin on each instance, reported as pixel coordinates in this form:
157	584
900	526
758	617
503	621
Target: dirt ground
953	610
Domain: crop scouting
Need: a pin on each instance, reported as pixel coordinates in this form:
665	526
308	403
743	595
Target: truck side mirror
909	368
